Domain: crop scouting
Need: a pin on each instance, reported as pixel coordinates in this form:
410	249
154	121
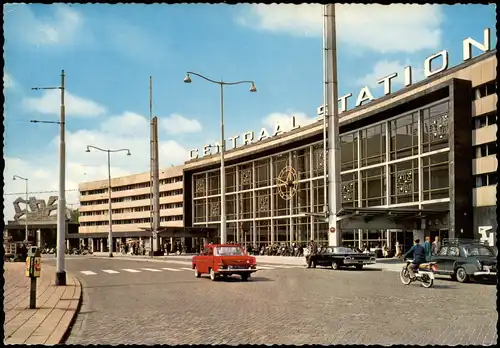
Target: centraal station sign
364	95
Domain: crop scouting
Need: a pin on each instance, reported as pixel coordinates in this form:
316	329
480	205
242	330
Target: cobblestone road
288	306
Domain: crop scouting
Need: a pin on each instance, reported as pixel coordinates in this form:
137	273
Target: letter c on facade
193	154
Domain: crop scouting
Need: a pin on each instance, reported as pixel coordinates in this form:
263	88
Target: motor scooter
424	274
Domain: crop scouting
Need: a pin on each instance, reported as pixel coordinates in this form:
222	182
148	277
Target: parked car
224	260
341	257
462	260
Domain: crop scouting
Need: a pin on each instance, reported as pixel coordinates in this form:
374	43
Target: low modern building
131	207
421	161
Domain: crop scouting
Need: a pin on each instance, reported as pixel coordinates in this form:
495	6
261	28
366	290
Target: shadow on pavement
349	269
477	281
252	279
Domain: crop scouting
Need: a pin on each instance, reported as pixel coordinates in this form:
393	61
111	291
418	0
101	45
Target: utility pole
61	202
151	161
331	109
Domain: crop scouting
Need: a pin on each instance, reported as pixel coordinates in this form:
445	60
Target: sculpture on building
39	210
287	183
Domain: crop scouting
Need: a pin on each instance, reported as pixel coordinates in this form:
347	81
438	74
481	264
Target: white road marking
186	269
110	271
264	267
152	269
280	266
131	270
172	269
88	272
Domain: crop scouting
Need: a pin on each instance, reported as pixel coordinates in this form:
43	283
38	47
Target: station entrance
377	229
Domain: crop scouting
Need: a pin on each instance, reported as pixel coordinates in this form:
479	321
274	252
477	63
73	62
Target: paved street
162	302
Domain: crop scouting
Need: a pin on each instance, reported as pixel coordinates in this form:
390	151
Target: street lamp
187	79
110	213
61	201
26	214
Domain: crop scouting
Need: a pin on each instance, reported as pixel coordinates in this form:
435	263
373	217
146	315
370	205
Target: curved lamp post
110	215
187	79
26	214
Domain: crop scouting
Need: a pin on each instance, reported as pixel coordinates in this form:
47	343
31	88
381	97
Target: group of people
422	254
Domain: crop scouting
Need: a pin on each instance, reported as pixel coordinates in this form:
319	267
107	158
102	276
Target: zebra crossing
167	269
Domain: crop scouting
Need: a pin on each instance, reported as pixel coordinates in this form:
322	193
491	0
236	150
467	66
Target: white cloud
177	124
384	68
49	103
381	28
285	120
127	131
8	81
60	28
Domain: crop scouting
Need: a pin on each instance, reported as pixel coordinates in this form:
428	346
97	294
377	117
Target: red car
224	260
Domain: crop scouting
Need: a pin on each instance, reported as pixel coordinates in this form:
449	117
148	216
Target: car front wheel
335	265
461	275
213	276
245	277
196	273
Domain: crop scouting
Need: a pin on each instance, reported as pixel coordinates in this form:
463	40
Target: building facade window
404	136
435	132
484	120
349	190
484	150
404	182
349	151
436	180
487	179
373	147
484	90
373	187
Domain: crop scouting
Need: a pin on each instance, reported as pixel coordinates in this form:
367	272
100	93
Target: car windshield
228	251
479	250
342	250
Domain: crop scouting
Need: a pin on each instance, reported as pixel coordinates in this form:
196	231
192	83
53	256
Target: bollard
33	269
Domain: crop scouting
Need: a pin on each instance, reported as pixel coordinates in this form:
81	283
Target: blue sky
109	51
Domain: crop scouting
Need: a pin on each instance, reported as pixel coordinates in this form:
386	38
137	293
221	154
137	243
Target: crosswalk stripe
88	272
186	269
152	269
110	271
172	269
131	270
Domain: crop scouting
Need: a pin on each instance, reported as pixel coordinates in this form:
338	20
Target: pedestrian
399	253
313	251
427	247
436	246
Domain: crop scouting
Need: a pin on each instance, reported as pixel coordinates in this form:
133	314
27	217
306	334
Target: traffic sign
332	229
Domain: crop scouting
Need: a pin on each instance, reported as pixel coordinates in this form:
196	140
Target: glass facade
403	161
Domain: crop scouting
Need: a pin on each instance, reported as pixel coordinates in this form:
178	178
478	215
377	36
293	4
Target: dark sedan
466	260
340	257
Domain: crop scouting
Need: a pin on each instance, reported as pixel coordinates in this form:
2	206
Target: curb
66	334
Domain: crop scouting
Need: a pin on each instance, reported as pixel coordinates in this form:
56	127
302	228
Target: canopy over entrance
390	218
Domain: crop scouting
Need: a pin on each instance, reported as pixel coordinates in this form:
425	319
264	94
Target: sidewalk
56	306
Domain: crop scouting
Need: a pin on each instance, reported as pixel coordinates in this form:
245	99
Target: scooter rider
418	252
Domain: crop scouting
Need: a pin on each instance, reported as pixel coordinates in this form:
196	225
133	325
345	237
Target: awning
390	213
127	234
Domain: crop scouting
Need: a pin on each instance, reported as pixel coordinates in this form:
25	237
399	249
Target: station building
421	161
